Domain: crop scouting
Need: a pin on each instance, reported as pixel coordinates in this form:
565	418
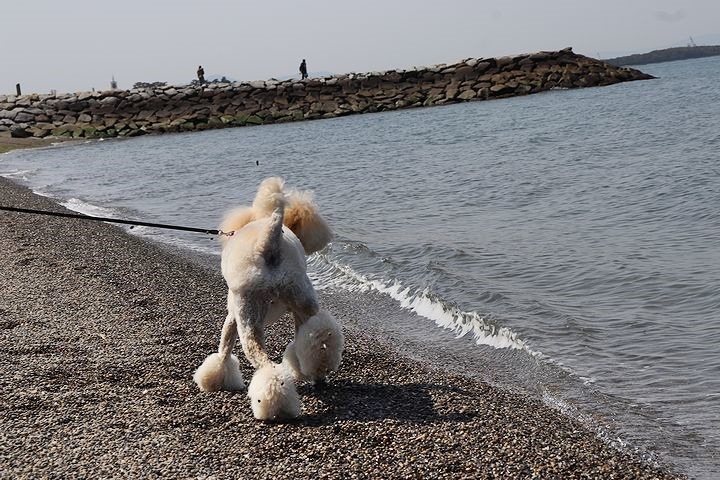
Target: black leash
116	220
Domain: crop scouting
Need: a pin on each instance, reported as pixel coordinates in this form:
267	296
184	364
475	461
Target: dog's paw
317	349
214	374
272	393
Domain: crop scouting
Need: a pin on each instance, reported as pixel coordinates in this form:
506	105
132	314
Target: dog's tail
304	219
262	207
270	202
269	195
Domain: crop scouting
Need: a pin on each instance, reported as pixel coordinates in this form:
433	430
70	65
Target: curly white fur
216	374
272	393
317	349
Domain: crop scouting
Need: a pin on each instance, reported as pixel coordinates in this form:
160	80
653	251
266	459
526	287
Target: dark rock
20	132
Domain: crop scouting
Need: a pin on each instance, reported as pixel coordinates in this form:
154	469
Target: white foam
80	206
21	174
420	302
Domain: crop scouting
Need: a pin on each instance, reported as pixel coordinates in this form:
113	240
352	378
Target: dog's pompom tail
272	393
217	374
269	197
318	347
303	218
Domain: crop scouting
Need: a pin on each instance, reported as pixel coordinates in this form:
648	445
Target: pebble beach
101	331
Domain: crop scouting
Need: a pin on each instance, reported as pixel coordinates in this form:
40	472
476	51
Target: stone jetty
166	108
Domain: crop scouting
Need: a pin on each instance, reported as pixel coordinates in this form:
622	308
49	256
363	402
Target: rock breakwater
127	113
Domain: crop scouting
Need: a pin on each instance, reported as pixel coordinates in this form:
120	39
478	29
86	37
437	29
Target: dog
264	265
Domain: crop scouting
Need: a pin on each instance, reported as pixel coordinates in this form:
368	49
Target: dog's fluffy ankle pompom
214	374
272	393
317	349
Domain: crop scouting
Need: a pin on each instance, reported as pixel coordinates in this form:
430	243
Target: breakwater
168	108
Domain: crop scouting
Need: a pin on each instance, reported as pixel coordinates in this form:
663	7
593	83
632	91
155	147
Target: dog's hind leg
272	390
250	322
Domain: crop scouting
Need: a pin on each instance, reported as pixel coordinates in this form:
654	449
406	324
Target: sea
563	245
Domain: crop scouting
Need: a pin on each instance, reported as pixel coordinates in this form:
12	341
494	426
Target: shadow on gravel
371	402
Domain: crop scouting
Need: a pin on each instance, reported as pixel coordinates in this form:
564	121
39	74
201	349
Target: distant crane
692	43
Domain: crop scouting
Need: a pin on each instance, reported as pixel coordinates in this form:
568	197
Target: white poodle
264	266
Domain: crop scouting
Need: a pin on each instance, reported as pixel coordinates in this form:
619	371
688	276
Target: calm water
565	244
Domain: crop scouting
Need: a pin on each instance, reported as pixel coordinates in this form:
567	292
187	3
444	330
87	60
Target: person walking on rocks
201	74
303	70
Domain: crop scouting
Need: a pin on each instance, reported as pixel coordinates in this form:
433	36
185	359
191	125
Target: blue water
564	244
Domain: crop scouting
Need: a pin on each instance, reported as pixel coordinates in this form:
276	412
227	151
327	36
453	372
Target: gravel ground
100	333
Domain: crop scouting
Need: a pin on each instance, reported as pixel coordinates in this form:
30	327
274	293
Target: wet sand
100	333
8	143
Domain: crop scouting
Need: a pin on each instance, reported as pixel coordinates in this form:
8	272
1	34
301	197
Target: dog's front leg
228	336
221	371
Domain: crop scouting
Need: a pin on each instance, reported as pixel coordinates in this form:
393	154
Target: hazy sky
75	45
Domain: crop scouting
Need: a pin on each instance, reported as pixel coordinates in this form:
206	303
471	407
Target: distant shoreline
666	55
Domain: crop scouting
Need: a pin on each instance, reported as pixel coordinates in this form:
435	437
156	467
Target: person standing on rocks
303	70
201	74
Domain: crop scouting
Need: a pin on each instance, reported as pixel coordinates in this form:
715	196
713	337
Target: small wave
19	174
328	274
77	205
